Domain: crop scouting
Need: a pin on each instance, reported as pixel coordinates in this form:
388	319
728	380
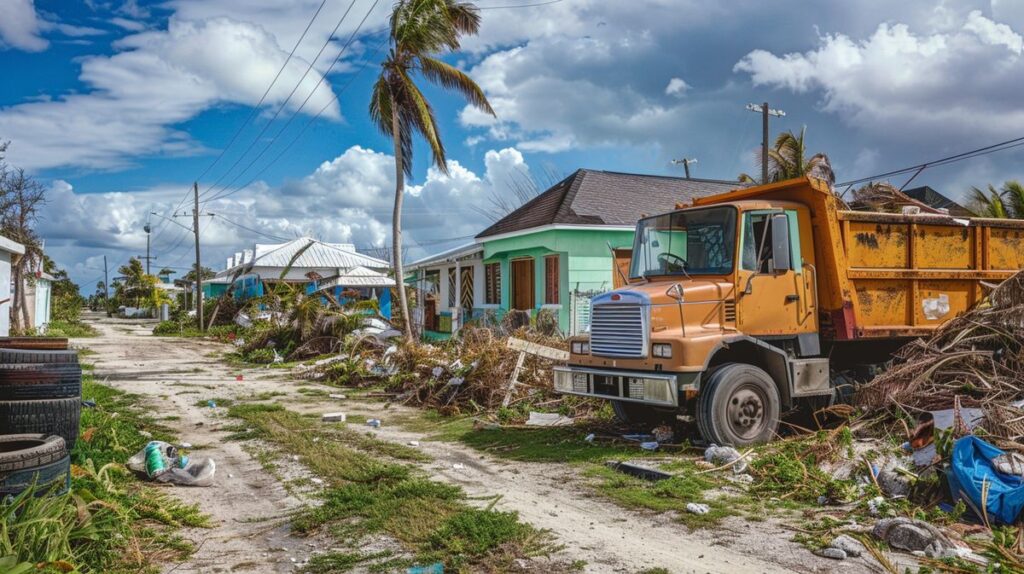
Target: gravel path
248	505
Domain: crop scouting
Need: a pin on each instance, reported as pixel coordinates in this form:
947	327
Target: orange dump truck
749	303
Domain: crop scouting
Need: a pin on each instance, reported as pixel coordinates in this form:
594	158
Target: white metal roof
312	254
358	277
445	256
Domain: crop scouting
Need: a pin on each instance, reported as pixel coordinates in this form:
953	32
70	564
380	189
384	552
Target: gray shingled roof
593	197
929	196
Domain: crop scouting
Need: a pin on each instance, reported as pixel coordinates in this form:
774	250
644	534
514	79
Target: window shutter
551	280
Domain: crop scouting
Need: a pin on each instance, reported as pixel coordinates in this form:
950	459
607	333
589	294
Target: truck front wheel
648	417
738	405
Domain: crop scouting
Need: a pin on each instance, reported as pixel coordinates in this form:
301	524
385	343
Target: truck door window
757	242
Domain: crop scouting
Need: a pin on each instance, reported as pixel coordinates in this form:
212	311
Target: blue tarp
971	467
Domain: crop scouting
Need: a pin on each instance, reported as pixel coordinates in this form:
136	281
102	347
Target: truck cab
720	303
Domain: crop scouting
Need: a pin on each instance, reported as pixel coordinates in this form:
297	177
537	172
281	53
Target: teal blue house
554	253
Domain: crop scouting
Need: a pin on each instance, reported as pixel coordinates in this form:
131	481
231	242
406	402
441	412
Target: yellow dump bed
894	275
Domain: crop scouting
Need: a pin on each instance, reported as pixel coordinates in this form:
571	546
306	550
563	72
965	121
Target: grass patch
672	494
370	490
70	329
217	401
108	521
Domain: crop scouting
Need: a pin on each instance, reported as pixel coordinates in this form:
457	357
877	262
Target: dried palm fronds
884	197
977	356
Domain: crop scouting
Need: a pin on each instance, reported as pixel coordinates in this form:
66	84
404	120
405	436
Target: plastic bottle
154	459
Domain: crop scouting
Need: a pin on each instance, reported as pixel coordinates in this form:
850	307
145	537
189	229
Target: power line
519	5
312	62
256	231
1008	144
252	113
305	126
351	38
263	98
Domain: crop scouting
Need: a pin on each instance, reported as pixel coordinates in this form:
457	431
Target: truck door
776	292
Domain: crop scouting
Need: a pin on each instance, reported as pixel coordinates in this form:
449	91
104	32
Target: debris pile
976	358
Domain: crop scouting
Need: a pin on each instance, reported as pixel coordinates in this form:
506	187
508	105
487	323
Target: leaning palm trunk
396	228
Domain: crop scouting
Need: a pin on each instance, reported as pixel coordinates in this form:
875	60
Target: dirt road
249	507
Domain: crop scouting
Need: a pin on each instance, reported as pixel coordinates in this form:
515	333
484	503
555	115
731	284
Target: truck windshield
692	242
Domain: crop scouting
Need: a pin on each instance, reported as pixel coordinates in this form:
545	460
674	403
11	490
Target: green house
555	252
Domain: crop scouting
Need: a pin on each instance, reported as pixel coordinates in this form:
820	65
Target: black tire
48	477
39	381
640	415
24	451
31	356
53	416
738	406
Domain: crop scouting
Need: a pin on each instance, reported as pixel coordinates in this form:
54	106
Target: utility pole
686	164
199	267
107	282
765	111
147	257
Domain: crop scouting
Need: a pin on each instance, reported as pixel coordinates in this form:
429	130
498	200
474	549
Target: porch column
457	315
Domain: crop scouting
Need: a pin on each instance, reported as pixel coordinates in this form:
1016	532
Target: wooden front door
522	284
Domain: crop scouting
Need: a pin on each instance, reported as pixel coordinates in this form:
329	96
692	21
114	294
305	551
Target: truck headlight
580	348
662	350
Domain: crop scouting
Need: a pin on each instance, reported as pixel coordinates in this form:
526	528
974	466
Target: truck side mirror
781	260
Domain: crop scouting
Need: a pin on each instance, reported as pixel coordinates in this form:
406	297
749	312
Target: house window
551	280
492	283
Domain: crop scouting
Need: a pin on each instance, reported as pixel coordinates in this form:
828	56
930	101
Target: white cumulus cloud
20	27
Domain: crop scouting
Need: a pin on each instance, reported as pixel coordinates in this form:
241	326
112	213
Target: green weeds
372	491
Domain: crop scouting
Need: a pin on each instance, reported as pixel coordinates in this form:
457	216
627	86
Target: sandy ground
249	507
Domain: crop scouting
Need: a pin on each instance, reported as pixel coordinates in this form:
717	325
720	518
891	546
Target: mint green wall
585	261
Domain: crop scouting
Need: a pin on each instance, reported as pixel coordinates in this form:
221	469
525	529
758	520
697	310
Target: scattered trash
547	420
697	508
663	433
458	466
336	397
650	445
722	455
849	545
239	377
876	505
185	445
922	440
974	478
638	471
90	403
375	423
162	462
589	438
211	403
914	536
435	568
317	481
414	443
333	417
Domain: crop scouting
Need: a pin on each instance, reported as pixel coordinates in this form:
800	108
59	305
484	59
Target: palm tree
420	30
787	160
1006	202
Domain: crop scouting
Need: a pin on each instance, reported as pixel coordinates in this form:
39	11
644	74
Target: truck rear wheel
636	414
738	406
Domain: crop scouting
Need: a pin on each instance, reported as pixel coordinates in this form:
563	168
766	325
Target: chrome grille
618	331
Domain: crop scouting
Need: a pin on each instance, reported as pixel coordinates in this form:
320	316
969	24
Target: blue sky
117	106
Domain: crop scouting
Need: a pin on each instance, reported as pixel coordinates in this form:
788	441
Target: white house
451	287
300	257
10	252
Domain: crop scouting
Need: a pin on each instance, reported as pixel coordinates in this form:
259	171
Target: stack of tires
40	404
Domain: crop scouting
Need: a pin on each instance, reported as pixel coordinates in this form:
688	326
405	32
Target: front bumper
633	386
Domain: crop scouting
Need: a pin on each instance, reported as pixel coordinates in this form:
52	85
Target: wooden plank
514	379
537	349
